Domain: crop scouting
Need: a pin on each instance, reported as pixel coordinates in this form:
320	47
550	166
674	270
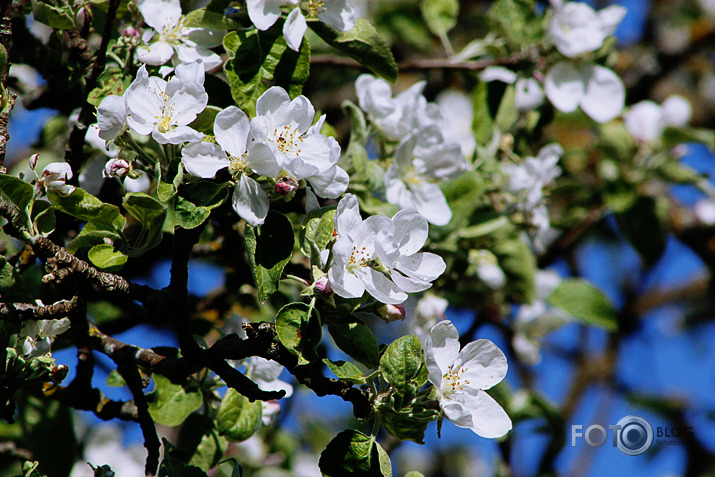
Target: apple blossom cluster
423	157
380	255
280	142
646	120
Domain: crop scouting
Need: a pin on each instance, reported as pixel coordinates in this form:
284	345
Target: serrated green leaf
238	419
298	328
516	21
107	258
316	232
261	59
582	300
346	371
56	17
112	81
196	200
12	287
363	44
169	403
18	191
269	247
151	215
402	364
205	18
440	15
358	341
209	451
353	453
175	463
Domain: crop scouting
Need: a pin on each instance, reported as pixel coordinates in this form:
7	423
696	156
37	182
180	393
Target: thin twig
19	312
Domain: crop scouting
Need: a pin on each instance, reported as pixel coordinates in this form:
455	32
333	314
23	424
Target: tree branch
19	312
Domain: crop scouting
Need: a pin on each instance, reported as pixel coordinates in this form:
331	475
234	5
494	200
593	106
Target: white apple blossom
338	14
204	159
165	109
88	178
54	178
528	178
283	134
169	37
529	94
39	335
400	116
704	211
422	160
458	113
104	447
576	28
597	90
461	378
646	120
486	268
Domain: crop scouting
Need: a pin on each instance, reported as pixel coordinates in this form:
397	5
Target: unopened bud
391	313
33	161
322	284
286	185
116	168
55	176
132	33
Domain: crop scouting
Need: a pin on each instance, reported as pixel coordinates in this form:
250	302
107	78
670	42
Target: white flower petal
189	54
483	363
249	201
347	215
411	231
676	111
111	117
488	418
605	94
203	159
497	73
431	203
264	159
231	128
330	184
156	53
441	350
425	266
294	28
160	13
565	87
380	287
177	135
270	101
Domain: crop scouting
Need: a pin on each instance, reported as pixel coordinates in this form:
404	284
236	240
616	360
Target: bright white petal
381	288
156	53
270	101
203	159
177	135
441	350
565	87
605	94
339	14
431	203
676	111
488	418
249	201
529	94
264	13
188	54
425	266
611	17
231	128
411	231
264	160
498	73
160	13
331	183
347	215
483	363
111	117
294	28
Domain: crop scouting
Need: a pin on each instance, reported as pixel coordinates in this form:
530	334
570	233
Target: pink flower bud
116	168
322	284
391	313
33	160
286	185
131	33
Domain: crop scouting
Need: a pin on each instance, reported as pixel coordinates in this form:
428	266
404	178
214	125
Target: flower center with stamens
172	33
237	165
167	119
410	176
453	381
288	140
314	7
359	258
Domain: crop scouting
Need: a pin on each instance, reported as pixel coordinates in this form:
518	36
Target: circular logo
634	435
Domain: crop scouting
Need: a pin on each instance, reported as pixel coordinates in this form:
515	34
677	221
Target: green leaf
402	364
3	58
507	114
414	473
358	124
516	21
298	328
12	287
363	44
203	18
673	136
580	299
204	122
516	261
49	435
358	341
269	248
169	403
196	200
316	232
200	440
238	419
43	217
115	380
151	215
673	170
483	123
440	15
261	59
346	371
175	463
464	194
355	454
19	192
100	217
112	81
56	17
643	229
107	258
